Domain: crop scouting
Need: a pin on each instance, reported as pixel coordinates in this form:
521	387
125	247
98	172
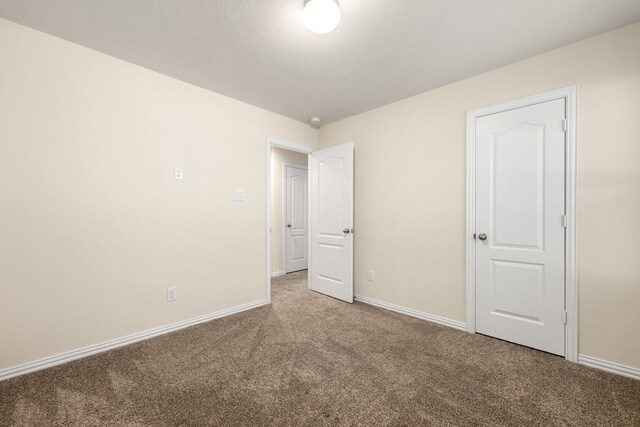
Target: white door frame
570	94
273	142
284	209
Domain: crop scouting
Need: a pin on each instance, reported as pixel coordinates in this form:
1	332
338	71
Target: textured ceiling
258	51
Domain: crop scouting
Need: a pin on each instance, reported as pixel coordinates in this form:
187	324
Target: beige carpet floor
311	360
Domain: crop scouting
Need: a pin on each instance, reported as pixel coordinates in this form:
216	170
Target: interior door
520	234
296	219
331	225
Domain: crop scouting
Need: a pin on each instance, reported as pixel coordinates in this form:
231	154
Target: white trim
570	93
79	353
293	165
571	235
413	313
310	217
614	368
277	273
284	211
471	224
274	142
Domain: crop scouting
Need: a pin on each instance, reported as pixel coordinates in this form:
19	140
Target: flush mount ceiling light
321	16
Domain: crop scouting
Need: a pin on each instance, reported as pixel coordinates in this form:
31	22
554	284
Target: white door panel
330	262
296	218
519	207
331	207
518	153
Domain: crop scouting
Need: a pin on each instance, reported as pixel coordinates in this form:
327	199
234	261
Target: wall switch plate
178	173
238	195
172	294
371	275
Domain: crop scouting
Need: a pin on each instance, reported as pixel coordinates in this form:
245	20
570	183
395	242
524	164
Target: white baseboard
612	367
593	362
413	313
59	359
277	273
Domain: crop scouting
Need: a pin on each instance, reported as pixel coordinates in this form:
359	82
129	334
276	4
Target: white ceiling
259	51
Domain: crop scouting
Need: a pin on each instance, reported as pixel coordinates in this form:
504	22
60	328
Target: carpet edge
90	350
612	367
413	313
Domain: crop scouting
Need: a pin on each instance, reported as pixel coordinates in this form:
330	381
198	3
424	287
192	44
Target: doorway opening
287	211
289	207
320	236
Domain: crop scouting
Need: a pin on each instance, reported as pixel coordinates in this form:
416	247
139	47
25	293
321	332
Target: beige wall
410	188
279	157
93	226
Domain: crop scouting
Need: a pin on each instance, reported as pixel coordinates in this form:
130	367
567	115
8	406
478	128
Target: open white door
331	222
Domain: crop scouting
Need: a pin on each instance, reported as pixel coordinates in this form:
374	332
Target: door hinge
564	221
564	317
564	125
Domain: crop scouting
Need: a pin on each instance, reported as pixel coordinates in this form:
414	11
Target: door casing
570	94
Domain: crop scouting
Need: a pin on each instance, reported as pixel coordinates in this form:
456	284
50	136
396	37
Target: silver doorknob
482	236
289	225
346	231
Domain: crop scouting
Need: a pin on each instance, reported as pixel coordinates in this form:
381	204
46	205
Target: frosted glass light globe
321	16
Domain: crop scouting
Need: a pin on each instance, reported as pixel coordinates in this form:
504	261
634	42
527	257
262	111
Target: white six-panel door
520	234
331	225
296	219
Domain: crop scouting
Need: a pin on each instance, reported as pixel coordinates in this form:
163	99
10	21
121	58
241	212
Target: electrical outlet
178	173
172	294
371	275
